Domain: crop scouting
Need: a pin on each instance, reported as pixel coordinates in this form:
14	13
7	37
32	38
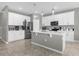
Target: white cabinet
63	18
17	19
15	35
46	20
69	36
59	18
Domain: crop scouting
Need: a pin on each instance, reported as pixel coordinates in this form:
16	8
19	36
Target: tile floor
25	48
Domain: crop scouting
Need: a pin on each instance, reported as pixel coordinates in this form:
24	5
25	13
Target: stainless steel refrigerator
27	29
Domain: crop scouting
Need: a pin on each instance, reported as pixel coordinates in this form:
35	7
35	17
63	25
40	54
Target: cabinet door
12	35
17	19
15	35
59	19
43	38
36	38
69	36
65	18
40	38
69	18
10	19
20	35
55	42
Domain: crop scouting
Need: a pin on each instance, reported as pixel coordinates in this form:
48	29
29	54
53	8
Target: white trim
49	32
63	43
3	41
0	38
73	41
61	52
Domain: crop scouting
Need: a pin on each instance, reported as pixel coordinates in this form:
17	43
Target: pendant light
42	13
53	12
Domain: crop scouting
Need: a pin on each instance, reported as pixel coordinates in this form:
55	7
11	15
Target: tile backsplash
15	27
60	28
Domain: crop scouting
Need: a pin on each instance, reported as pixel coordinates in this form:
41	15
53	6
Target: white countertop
51	32
63	33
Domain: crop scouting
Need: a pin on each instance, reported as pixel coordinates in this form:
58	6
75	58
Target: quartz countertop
51	32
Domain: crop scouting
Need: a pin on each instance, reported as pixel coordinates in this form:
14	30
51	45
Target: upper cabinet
63	19
16	19
46	20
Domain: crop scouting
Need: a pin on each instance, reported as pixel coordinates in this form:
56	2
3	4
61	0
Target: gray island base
54	41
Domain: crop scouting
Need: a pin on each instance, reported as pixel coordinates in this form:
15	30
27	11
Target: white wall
4	24
76	33
63	18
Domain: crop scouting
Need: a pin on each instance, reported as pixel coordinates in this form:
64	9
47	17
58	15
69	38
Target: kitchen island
51	40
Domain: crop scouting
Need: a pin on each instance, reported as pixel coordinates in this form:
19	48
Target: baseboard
61	52
3	41
15	40
76	41
73	41
0	38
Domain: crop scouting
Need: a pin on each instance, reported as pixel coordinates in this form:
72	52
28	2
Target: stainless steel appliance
27	29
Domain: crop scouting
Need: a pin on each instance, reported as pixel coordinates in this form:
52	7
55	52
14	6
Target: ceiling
39	7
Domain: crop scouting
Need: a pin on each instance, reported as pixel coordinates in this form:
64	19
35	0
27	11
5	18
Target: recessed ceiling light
34	4
56	7
53	11
36	11
42	13
20	8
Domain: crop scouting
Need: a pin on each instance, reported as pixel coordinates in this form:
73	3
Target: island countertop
51	32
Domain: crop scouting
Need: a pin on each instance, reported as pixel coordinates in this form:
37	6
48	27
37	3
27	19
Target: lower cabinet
54	42
35	38
15	35
70	36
